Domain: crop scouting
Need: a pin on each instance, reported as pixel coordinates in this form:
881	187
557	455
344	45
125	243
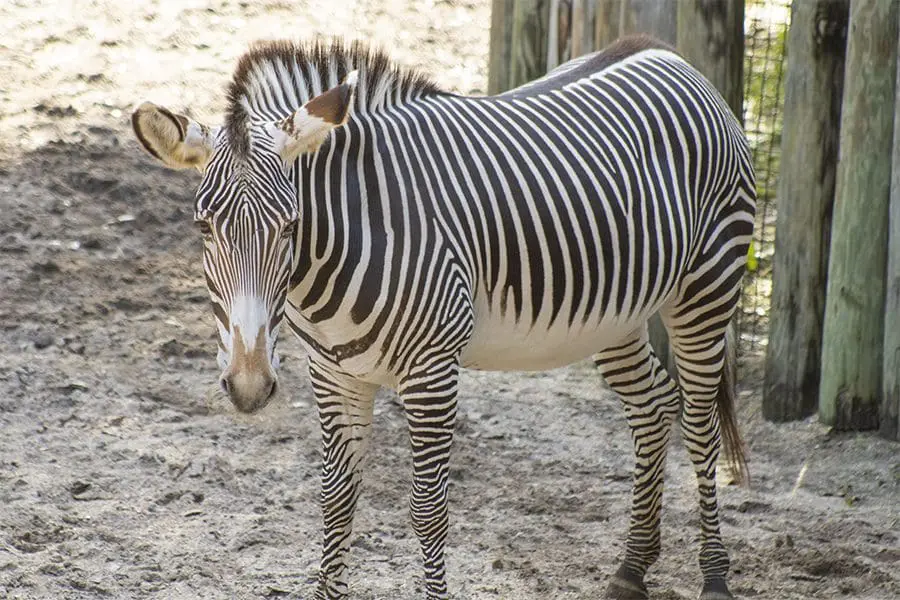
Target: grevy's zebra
413	232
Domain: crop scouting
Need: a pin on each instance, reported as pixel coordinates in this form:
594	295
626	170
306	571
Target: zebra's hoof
715	589
619	590
626	585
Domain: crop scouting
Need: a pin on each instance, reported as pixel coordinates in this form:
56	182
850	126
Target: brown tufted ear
176	140
308	126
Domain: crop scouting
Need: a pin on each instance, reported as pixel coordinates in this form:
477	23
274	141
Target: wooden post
564	30
553	36
529	41
588	32
710	36
615	18
853	335
501	38
659	18
809	153
889	419
579	15
606	22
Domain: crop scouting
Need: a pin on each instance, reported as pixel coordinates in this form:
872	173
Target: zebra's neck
275	78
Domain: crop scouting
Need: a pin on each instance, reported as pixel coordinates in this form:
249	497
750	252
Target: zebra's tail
725	402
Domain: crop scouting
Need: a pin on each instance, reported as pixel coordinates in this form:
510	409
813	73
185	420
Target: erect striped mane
274	78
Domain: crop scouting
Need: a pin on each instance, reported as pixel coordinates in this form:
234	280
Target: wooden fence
834	344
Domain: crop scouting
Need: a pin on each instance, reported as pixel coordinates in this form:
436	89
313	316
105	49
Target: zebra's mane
274	78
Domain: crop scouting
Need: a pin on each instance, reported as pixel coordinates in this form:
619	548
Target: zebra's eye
205	230
289	230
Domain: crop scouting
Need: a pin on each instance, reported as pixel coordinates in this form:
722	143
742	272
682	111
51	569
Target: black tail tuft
732	443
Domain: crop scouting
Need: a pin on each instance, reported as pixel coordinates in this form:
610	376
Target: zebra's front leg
650	397
345	413
429	398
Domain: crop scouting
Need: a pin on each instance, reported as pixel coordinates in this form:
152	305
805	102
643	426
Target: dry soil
122	476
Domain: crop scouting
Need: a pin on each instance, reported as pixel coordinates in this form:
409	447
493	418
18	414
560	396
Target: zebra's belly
505	345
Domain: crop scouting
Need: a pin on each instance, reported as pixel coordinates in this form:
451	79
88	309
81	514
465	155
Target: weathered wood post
528	52
579	15
501	38
710	36
553	37
607	22
853	335
889	419
615	18
809	153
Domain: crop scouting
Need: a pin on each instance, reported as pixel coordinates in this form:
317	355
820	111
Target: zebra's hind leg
345	413
699	344
429	399
650	397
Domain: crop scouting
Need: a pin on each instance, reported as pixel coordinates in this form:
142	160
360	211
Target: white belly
504	345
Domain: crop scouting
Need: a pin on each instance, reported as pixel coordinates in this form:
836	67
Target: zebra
404	232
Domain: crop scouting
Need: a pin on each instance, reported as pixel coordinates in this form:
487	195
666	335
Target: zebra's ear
176	140
308	126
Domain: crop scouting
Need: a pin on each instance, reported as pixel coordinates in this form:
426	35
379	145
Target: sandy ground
121	476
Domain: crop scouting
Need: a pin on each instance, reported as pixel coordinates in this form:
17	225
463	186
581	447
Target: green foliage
752	260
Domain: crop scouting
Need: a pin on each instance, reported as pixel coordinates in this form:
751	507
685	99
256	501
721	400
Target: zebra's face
247	211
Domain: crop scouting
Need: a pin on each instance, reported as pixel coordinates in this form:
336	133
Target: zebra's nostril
226	387
272	388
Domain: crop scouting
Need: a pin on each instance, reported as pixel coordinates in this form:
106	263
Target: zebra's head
247	211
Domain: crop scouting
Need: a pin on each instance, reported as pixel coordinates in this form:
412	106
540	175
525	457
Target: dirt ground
123	476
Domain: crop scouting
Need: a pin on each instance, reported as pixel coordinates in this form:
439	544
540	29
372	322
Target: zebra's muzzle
249	380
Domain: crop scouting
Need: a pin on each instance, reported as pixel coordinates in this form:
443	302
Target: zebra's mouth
250	404
249	380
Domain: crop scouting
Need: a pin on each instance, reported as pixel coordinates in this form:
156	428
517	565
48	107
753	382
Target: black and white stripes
431	231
